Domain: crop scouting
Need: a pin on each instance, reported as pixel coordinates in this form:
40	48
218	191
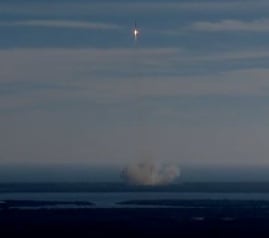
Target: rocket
135	31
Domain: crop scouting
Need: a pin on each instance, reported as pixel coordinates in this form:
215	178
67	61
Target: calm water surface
110	199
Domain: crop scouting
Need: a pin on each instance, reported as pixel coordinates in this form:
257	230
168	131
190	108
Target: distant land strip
245	187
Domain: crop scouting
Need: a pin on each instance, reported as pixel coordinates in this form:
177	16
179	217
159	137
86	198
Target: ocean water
111	199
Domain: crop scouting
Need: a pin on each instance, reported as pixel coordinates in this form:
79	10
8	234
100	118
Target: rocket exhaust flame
135	32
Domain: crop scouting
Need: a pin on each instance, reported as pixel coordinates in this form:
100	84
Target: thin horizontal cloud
63	24
63	64
260	25
83	62
242	55
123	90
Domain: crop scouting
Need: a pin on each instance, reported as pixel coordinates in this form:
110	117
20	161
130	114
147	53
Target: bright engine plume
135	32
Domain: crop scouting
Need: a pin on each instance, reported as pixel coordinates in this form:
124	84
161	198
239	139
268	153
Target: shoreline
188	187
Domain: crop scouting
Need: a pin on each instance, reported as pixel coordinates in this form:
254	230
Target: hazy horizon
91	174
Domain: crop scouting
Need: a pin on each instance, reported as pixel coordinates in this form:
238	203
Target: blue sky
75	89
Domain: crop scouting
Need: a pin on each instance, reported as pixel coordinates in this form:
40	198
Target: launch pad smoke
150	173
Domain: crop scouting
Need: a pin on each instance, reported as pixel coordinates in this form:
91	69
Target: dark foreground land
203	218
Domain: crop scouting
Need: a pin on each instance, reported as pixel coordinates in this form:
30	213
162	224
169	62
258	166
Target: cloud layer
260	25
93	75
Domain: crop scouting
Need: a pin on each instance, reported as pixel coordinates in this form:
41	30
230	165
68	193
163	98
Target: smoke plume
150	173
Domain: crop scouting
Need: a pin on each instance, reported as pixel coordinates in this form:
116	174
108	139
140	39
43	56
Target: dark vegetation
162	218
199	218
7	204
204	203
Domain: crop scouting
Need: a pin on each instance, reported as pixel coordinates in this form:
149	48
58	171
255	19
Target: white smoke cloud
150	173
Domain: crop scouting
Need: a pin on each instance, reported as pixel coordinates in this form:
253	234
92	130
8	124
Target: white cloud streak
63	24
260	25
